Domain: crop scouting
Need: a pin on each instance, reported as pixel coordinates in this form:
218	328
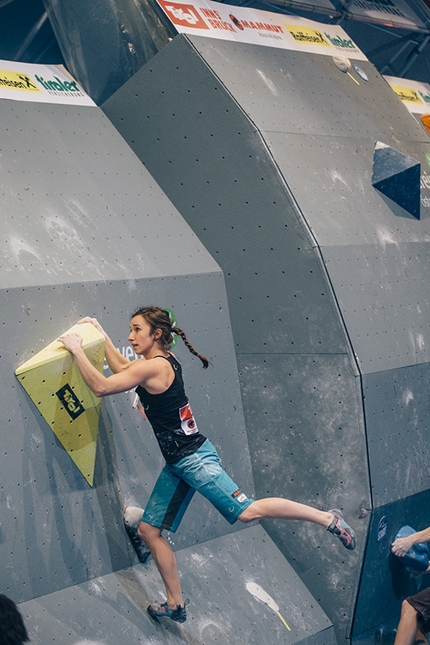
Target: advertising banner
40	83
241	24
415	95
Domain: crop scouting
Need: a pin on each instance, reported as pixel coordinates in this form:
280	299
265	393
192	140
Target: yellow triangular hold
56	387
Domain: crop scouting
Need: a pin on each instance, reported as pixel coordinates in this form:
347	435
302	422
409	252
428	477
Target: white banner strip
415	95
241	24
40	83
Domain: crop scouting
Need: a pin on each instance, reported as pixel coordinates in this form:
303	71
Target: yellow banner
408	95
17	81
307	35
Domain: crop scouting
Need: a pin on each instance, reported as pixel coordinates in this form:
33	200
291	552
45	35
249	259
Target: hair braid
158	318
179	332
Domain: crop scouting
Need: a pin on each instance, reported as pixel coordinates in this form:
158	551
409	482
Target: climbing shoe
342	530
179	614
130	526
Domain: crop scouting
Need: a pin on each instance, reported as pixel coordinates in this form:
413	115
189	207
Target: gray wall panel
112	609
397	410
384	299
78	204
303	415
235	200
333	185
306	93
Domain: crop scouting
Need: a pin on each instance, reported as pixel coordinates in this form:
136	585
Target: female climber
192	462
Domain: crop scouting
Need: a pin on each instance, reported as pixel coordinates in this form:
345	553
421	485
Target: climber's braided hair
158	318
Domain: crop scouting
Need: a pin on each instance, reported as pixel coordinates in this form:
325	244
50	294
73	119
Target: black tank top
171	418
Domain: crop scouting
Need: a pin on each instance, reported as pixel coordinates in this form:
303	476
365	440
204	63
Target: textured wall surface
87	231
268	155
112	609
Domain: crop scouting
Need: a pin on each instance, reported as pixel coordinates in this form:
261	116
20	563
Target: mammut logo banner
40	83
252	24
246	25
71	403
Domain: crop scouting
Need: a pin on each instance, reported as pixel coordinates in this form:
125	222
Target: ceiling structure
26	34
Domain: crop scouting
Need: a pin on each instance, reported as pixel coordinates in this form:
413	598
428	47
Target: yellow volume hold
56	387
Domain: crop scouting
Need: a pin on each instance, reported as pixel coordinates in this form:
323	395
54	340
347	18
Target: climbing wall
86	230
270	156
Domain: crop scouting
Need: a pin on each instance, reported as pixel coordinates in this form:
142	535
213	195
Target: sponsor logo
259	26
59	86
188	423
215	20
239	495
22	81
382	529
236	22
338	41
17	81
425	178
71	403
184	15
407	94
307	35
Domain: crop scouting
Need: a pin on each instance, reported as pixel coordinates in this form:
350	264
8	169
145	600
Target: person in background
12	628
415	614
